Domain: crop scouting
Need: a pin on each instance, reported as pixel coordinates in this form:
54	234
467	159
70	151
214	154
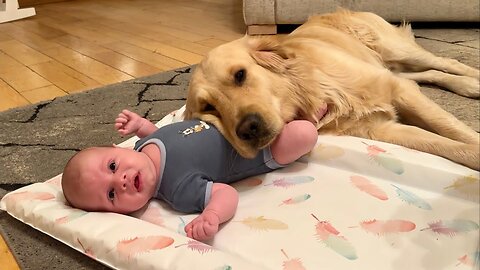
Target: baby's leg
296	139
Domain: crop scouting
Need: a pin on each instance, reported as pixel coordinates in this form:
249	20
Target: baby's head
109	179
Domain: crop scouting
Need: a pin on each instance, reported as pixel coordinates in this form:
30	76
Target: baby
187	164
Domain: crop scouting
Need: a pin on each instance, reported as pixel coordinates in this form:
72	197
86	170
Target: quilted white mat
351	204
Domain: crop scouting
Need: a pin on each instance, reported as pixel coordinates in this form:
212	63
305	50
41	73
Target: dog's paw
467	87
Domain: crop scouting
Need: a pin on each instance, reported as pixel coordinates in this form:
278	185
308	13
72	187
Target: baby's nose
122	182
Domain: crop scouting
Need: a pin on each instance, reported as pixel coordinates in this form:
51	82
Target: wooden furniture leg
10	11
262	29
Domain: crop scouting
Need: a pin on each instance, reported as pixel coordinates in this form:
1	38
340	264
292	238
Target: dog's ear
187	114
189	104
266	51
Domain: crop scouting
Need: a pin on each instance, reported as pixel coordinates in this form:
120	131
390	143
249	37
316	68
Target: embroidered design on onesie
195	129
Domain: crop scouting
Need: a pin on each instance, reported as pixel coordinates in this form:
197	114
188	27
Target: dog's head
239	87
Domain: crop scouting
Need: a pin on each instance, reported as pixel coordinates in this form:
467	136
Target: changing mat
351	203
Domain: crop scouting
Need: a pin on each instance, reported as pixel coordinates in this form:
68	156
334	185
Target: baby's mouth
136	182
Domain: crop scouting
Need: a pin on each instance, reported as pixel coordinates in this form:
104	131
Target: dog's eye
240	76
208	107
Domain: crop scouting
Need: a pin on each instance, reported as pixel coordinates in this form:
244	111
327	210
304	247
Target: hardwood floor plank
111	58
28	38
212	42
6	258
64	77
35	26
126	64
149	39
157	60
8	63
176	53
9	98
80	45
149	44
92	68
158	28
5	36
43	93
205	25
75	29
22	53
23	79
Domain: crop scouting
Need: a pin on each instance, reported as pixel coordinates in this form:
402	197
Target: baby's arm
129	122
221	208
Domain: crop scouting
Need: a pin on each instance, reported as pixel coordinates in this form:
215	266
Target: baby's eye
112	166
111	194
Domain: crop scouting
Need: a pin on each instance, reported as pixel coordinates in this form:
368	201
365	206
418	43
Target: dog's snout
250	128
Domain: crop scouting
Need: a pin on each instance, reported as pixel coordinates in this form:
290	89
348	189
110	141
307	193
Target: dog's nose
251	128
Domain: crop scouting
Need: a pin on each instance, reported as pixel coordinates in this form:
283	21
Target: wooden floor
77	45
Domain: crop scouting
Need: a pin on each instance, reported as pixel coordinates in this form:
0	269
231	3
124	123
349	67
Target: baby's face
116	180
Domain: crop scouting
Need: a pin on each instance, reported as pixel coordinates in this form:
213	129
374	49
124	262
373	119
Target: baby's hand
128	122
203	227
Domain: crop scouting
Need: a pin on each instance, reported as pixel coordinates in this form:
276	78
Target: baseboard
31	3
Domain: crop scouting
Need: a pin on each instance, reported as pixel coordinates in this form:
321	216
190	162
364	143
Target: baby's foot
203	227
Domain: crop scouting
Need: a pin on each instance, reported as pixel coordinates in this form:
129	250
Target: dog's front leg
415	108
462	85
425	141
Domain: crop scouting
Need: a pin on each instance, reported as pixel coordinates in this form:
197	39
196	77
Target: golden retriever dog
350	73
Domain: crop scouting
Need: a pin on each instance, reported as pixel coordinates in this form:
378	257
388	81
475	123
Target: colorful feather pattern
132	247
382	227
452	227
472	259
296	199
181	226
29	195
292	264
74	214
331	238
385	159
326	152
366	186
412	199
467	185
197	246
289	181
87	251
264	224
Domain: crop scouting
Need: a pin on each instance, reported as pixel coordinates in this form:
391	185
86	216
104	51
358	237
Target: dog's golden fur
351	73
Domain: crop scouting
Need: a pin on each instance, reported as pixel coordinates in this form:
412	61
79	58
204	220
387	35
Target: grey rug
36	141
